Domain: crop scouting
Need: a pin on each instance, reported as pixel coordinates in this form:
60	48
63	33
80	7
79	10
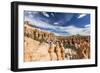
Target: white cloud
27	19
31	14
39	23
45	14
87	25
71	30
55	23
52	14
82	15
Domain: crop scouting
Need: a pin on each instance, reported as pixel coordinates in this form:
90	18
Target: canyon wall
39	45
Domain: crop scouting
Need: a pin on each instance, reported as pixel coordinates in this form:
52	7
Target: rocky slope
40	45
37	45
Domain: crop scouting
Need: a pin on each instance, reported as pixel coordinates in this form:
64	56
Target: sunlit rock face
38	46
41	45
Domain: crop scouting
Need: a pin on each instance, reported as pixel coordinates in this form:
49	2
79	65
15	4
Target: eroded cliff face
41	45
38	45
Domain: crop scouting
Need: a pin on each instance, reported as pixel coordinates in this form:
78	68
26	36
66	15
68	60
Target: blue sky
62	24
